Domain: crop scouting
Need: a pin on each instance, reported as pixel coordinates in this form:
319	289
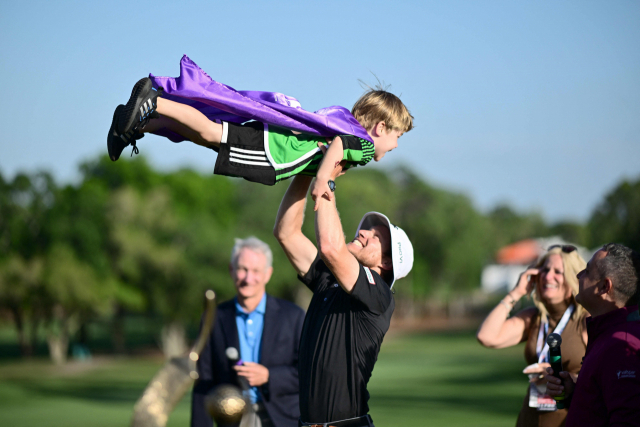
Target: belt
364	421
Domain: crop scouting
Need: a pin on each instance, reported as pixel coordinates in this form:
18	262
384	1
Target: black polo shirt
341	338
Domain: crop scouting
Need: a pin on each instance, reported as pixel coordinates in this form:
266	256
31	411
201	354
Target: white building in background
512	260
500	278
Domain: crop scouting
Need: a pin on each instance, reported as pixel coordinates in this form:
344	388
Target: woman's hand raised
525	284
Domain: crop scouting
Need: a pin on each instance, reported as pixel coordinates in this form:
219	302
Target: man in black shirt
351	307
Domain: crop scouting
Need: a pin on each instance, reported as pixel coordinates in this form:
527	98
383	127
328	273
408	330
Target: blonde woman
554	285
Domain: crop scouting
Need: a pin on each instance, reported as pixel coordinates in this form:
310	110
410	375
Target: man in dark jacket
266	332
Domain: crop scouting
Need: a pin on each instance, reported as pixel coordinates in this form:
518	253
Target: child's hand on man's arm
320	188
330	169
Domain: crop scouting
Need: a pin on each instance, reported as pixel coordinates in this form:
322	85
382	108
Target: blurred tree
72	293
20	281
6	215
617	218
128	238
113	175
25	205
169	240
207	214
145	251
451	239
42	281
26	202
510	226
572	232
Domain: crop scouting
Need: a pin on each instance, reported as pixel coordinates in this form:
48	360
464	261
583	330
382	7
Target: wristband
506	305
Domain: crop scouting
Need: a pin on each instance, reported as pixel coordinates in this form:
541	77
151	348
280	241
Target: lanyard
544	329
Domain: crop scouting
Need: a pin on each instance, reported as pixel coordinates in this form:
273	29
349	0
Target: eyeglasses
567	249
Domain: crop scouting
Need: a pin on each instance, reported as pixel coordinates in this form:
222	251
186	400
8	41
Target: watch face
332	185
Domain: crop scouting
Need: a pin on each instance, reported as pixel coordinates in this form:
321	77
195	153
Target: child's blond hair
377	106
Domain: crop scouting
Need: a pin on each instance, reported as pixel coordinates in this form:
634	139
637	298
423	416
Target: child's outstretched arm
329	169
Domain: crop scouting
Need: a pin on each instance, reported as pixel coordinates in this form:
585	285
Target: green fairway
420	380
446	380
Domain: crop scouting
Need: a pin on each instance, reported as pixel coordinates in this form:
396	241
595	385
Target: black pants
364	421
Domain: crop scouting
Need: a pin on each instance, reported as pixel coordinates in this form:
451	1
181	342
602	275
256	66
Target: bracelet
506	305
513	301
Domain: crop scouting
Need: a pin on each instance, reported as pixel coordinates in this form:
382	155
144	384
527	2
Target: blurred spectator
266	331
554	285
607	393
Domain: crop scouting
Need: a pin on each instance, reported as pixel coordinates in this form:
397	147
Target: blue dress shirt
250	327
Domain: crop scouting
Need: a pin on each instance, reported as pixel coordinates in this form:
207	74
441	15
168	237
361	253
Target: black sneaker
117	142
140	108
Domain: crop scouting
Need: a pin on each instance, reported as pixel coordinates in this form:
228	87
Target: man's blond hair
377	106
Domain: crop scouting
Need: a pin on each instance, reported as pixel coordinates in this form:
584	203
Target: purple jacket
608	389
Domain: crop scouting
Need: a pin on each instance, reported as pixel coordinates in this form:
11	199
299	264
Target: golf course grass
442	379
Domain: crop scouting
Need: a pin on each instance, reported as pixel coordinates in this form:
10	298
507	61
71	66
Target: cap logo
400	253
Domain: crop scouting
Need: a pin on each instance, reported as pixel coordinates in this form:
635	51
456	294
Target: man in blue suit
266	331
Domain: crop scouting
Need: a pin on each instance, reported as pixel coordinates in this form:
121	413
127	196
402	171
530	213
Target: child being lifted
263	137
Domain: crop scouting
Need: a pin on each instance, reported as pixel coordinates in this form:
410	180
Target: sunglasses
567	249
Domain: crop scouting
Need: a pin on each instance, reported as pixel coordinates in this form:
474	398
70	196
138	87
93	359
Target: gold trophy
176	377
226	404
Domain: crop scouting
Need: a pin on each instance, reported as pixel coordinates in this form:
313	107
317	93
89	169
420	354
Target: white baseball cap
401	248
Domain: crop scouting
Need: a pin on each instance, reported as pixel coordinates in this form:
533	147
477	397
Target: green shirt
293	154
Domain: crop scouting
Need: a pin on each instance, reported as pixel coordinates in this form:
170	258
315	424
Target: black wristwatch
332	185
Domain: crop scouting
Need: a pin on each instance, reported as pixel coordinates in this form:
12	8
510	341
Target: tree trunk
83	333
33	333
58	347
174	339
117	331
26	349
58	335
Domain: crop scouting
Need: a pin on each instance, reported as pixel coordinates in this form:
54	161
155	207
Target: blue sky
536	104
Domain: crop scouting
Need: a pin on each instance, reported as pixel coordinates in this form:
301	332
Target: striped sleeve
357	150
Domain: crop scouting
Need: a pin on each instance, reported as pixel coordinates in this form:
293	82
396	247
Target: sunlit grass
446	380
420	380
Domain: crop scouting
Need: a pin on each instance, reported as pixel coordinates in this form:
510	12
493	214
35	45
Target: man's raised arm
288	228
332	247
